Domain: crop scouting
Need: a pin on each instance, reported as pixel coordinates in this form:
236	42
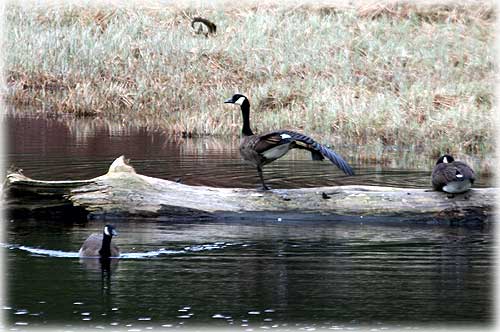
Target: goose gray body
452	176
260	150
99	245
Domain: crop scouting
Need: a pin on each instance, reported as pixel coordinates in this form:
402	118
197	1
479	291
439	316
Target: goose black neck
105	251
245	111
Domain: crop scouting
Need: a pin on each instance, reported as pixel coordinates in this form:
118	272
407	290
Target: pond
234	274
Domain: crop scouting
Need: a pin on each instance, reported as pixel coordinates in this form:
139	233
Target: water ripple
130	255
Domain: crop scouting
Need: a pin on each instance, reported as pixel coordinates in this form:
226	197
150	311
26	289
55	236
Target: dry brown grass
397	73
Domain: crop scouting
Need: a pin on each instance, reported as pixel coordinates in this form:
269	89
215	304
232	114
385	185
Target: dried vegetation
381	73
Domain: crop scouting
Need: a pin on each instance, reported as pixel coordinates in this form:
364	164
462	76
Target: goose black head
110	230
238	99
241	100
445	159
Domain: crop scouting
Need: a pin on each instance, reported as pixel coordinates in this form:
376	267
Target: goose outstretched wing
276	138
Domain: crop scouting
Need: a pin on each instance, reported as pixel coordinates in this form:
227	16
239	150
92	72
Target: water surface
240	274
61	149
256	274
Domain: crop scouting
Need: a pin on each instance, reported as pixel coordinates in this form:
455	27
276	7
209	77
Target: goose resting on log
451	176
124	193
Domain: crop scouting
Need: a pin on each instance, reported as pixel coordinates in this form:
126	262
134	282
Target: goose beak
229	101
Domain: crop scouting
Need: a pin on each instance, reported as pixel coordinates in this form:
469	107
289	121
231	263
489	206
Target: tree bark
124	193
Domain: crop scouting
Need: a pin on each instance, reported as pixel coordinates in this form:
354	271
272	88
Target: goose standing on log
453	177
260	150
99	245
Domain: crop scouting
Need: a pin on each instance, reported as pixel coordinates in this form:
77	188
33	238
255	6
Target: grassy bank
394	74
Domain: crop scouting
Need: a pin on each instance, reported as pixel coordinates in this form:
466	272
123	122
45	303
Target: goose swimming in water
99	245
260	150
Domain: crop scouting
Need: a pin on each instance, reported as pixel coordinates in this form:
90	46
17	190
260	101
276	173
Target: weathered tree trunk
124	193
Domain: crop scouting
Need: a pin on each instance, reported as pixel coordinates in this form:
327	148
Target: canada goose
452	176
99	245
202	26
260	150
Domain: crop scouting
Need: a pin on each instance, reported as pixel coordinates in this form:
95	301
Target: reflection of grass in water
411	156
371	75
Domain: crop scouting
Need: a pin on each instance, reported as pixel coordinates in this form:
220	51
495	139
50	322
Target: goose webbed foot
264	186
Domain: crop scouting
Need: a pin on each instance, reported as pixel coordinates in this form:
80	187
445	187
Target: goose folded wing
465	170
92	245
443	174
271	140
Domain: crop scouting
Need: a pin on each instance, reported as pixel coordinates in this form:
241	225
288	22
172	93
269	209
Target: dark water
59	149
242	275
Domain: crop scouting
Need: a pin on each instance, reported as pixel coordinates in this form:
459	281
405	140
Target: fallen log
124	193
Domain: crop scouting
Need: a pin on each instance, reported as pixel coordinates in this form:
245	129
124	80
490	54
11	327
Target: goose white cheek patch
285	136
445	160
240	101
460	176
106	231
